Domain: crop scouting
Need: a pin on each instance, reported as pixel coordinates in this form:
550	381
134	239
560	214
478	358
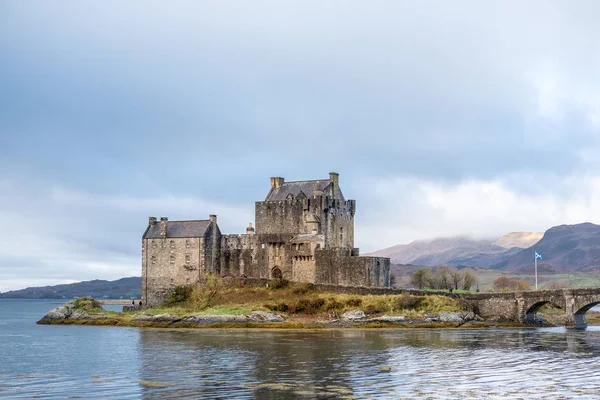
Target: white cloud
411	210
72	235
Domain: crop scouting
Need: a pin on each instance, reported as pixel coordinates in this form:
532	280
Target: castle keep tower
304	231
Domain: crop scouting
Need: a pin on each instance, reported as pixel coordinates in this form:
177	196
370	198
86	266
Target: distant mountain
459	251
572	248
123	288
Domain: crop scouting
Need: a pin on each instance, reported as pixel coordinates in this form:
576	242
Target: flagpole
535	261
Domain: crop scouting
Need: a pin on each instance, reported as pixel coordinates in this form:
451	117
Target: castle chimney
163	227
213	218
151	220
334	177
249	229
276	182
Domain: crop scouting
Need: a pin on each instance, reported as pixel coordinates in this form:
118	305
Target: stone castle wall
339	267
238	254
167	263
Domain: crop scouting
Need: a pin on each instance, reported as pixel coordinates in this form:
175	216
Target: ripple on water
100	362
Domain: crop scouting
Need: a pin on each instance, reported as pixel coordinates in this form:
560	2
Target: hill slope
519	239
124	287
564	248
459	250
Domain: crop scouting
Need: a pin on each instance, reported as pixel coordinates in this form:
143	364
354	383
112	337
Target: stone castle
304	233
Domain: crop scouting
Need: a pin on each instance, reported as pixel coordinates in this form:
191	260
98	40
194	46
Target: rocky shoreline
71	314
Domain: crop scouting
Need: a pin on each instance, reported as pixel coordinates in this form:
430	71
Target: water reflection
127	363
354	364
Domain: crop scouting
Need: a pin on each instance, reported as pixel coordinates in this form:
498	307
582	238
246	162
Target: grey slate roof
179	229
307	237
295	188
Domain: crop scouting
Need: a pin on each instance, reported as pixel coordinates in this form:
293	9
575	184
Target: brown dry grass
301	299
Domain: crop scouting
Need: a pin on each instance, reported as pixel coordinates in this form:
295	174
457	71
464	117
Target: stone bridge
523	306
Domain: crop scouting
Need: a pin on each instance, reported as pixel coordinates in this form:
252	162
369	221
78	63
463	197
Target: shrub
302	288
374	309
87	304
203	294
309	306
354	302
513	285
179	295
407	302
278	283
302	306
333	304
278	307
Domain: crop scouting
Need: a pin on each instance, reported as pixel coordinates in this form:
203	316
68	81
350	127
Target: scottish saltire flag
538	256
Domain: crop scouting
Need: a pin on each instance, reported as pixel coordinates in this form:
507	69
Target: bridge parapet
523	306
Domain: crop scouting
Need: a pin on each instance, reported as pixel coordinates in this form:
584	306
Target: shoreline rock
69	313
64	312
354	315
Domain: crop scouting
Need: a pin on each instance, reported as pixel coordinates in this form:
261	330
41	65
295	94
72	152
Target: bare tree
469	279
442	278
455	277
421	278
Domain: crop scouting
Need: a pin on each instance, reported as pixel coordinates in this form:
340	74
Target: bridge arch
531	311
587	307
579	319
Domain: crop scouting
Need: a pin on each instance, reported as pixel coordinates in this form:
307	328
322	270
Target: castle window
153	244
172	244
153	259
187	243
172	259
188	258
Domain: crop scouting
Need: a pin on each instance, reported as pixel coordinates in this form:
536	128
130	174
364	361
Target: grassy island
223	303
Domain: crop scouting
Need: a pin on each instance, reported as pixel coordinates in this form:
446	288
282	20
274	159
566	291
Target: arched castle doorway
276	273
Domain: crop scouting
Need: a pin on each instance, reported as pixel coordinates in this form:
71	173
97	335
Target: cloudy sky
442	118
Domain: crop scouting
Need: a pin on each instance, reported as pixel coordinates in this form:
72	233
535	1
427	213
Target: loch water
46	361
